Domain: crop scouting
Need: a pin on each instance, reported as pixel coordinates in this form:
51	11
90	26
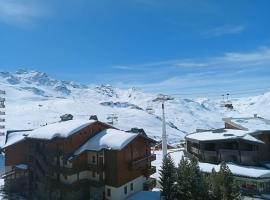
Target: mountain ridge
34	99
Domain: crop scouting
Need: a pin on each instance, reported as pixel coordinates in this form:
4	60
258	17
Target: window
125	189
93	159
108	192
93	174
131	186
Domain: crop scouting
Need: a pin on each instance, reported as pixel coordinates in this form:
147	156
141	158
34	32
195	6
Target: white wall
119	193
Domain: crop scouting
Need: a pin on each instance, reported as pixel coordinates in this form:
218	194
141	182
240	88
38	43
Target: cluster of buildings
78	159
244	144
88	159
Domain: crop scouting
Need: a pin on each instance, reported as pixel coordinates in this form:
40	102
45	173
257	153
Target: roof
249	123
223	134
112	139
238	170
61	129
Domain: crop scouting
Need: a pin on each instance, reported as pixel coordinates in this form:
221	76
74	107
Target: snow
176	155
22	166
256	124
107	139
239	170
48	132
224	134
145	195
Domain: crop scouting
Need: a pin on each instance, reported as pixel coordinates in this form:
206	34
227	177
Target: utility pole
163	99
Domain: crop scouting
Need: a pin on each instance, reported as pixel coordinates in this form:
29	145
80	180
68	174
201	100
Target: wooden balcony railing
209	153
142	162
78	168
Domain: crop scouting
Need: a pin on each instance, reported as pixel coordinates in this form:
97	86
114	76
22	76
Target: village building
78	159
243	143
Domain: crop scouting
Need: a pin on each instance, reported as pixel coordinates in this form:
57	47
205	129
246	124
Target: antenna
2	113
163	98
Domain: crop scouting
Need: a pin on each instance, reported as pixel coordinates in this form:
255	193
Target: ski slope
34	99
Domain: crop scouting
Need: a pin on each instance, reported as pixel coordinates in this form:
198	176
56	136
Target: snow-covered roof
223	134
107	139
238	170
250	123
48	132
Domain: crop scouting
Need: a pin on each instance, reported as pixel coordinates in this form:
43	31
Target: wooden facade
50	171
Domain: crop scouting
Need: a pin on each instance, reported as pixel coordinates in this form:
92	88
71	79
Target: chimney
255	115
93	117
66	117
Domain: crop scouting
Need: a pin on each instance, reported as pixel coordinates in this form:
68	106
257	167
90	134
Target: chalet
78	159
244	143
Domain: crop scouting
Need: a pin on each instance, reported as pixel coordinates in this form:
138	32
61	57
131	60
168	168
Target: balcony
229	152
79	168
142	162
210	153
77	184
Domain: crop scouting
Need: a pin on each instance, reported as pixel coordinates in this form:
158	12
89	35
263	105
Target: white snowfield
34	99
50	131
225	134
107	139
255	124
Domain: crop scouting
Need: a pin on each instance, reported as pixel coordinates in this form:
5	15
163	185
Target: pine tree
167	177
191	183
229	189
222	185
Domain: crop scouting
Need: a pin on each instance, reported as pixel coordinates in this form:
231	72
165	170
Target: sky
181	47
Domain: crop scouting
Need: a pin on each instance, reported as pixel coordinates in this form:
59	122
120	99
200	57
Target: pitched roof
249	123
61	129
112	139
223	134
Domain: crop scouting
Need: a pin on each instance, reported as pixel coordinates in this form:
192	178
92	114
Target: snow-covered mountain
34	99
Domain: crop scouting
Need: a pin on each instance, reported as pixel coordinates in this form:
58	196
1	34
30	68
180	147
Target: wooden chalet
243	142
78	159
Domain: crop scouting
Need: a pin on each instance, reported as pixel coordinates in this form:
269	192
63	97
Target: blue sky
172	46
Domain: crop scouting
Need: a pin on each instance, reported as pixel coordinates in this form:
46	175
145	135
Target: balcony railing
142	162
229	152
79	168
210	153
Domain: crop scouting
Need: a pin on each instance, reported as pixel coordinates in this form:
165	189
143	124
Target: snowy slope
34	99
